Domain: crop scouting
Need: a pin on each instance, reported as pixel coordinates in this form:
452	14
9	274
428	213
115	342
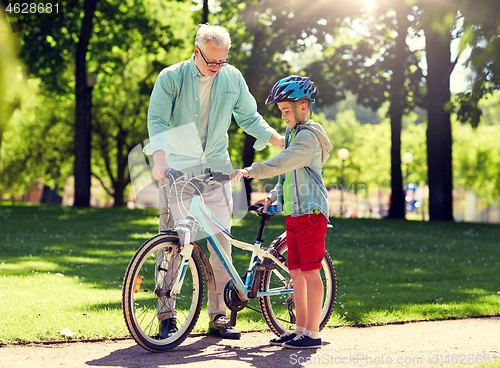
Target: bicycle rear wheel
145	287
279	310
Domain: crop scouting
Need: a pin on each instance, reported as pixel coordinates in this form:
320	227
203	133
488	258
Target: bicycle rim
279	310
141	295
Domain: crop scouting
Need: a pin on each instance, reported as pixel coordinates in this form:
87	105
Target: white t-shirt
205	90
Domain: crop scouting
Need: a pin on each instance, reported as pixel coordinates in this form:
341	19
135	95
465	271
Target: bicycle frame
200	218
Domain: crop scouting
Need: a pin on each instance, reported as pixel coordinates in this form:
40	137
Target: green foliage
38	143
364	115
10	84
477	160
129	47
364	57
48	51
368	165
369	148
262	32
128	52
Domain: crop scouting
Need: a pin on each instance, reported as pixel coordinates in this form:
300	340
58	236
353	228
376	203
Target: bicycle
266	278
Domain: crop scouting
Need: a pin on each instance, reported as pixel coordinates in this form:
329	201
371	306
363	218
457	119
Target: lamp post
343	154
407	160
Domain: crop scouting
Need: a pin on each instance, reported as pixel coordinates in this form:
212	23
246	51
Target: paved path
464	342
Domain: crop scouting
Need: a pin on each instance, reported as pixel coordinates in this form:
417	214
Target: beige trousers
219	201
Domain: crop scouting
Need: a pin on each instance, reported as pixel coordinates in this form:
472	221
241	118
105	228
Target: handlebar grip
172	175
255	207
220	176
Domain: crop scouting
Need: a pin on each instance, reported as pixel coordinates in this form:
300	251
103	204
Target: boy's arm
298	155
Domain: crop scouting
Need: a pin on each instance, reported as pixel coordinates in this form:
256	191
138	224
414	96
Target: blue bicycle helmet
291	89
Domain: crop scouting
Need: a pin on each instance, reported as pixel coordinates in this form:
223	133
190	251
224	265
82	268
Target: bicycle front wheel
279	310
146	288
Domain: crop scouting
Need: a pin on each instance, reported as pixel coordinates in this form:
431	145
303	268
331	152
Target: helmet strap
295	113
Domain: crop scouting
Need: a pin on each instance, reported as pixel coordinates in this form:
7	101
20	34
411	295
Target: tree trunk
248	157
398	100
253	79
205	12
397	208
439	139
122	180
82	121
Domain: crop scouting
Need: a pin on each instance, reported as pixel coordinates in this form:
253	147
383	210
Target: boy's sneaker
303	342
287	336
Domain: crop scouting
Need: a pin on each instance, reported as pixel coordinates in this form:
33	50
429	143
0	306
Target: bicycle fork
186	230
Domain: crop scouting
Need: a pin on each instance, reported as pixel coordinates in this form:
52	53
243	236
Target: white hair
217	35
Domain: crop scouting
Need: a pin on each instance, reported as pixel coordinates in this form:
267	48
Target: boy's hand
266	202
236	175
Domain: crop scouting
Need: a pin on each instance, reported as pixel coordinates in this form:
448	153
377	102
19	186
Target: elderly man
188	119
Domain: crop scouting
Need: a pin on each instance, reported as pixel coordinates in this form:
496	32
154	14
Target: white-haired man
198	97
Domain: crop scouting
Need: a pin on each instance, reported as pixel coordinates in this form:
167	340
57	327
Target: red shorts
305	237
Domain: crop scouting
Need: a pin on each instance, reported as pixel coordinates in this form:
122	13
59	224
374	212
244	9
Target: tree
477	160
38	144
147	44
125	37
482	36
373	60
9	93
56	52
261	32
437	21
83	124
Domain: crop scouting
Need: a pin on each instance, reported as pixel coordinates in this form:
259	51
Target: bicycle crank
232	298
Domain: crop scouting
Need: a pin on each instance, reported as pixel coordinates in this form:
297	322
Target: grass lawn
61	270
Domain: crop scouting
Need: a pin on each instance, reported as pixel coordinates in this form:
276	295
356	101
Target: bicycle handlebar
208	177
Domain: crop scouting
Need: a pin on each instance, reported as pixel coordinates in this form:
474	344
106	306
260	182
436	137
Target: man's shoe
303	342
220	326
168	327
287	336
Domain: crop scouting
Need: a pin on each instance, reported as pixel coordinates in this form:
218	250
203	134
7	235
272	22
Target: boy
302	196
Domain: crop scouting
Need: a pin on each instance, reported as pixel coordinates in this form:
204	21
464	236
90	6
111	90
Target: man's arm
298	155
160	165
247	117
159	110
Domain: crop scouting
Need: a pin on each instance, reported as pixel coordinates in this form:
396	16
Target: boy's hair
217	35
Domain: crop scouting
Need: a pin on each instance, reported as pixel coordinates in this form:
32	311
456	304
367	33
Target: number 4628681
32	8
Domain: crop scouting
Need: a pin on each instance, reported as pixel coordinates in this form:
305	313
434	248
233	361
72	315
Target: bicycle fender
207	267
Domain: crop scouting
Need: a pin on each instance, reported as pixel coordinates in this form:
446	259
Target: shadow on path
206	351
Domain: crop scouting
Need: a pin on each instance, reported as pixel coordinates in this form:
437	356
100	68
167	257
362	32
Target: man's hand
266	202
160	165
236	175
277	140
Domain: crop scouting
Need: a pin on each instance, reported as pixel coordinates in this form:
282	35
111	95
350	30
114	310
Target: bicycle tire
140	307
275	309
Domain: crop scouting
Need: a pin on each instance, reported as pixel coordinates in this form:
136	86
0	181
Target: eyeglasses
211	64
